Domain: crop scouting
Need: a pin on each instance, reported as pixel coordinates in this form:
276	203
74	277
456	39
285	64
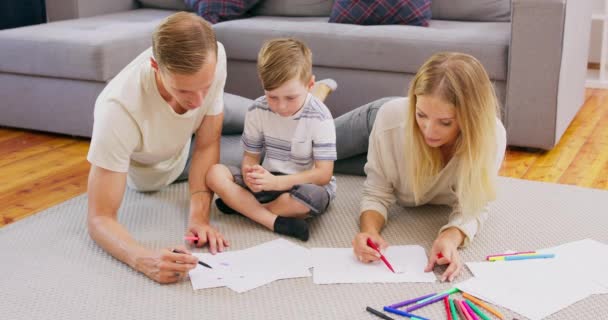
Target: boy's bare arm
249	161
320	175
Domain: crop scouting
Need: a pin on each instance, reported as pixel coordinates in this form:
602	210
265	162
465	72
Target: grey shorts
315	197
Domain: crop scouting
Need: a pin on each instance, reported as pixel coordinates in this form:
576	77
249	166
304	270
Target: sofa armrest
73	9
547	67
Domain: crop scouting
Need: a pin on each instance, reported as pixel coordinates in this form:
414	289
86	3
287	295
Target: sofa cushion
472	10
235	109
392	48
410	12
95	48
215	11
165	4
231	150
294	8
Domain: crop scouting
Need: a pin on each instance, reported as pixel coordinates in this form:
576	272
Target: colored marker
463	310
424	304
483	305
524	257
509	254
446	302
463	313
449	292
403	313
199	262
408	302
469	310
191	238
378	313
476	310
453	309
373	245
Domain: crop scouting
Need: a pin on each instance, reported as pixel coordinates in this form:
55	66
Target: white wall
596	34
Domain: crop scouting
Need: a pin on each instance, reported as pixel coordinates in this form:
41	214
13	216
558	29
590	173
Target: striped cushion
216	11
369	12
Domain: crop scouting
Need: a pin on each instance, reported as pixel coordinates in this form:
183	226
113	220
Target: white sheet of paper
536	300
587	258
253	267
270	261
339	265
539	288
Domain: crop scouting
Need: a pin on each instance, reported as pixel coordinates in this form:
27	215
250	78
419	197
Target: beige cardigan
386	181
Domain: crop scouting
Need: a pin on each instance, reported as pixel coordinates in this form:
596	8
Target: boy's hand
259	179
247	169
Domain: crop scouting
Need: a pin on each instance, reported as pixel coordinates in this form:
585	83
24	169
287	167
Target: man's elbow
95	222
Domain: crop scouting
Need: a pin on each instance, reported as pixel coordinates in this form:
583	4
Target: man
144	120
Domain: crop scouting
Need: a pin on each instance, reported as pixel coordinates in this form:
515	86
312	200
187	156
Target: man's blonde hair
461	80
182	43
281	60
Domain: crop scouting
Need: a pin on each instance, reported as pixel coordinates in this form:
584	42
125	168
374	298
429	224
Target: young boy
296	131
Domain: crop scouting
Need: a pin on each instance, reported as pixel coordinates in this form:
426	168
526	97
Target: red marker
439	255
193	238
373	245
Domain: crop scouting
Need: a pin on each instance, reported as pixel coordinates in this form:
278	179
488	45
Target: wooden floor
40	170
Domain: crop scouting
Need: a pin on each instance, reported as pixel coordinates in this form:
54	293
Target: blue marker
537	256
405	314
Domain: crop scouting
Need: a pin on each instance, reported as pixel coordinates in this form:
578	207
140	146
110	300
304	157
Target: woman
442	145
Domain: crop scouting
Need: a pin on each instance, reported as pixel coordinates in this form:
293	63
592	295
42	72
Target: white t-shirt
136	131
292	144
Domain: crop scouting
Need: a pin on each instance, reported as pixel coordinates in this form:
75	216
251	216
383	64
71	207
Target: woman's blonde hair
182	43
461	80
283	59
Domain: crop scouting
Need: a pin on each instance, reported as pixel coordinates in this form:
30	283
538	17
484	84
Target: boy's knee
314	197
216	174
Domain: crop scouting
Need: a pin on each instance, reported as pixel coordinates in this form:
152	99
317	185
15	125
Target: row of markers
527	255
468	309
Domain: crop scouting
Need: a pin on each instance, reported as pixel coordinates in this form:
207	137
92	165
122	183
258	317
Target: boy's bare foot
323	88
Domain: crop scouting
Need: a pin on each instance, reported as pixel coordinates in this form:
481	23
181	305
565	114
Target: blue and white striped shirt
292	144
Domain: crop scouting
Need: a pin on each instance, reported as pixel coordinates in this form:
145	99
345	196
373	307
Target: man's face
188	90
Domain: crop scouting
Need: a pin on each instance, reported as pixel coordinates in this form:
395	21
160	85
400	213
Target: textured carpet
50	269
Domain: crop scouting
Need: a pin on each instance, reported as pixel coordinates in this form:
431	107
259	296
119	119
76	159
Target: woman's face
437	121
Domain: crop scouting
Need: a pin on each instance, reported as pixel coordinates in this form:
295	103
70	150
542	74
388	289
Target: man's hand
445	251
259	179
207	234
166	266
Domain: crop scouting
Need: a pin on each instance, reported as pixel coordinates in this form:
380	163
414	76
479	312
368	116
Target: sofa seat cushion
95	48
393	48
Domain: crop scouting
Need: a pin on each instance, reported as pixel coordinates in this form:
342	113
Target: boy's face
287	99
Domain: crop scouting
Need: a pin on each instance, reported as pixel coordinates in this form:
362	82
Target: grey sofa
534	50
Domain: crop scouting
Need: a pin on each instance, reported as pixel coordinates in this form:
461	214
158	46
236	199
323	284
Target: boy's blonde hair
461	80
281	60
182	43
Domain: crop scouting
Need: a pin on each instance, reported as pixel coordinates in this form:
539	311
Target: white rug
50	269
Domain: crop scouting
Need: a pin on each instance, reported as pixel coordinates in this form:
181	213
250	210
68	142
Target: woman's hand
445	251
365	253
